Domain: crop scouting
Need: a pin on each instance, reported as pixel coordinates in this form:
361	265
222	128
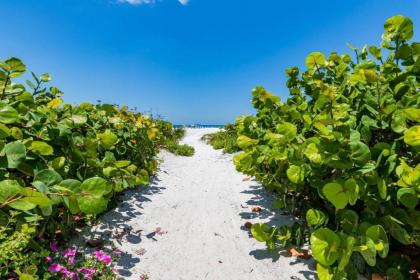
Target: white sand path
200	203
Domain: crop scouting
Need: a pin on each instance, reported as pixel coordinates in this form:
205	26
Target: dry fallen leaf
246	179
376	276
256	209
248	224
303	254
159	231
141	251
95	243
243	206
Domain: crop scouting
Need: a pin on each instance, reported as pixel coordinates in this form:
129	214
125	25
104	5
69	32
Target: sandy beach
189	223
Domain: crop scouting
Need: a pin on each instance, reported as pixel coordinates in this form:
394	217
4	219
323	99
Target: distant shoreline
199	125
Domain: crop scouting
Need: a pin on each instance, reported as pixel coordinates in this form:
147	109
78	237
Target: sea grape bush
61	162
342	152
224	139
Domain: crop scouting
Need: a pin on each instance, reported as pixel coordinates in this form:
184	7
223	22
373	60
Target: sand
188	224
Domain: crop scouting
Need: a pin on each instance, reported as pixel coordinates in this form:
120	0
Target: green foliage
59	162
342	152
179	149
224	139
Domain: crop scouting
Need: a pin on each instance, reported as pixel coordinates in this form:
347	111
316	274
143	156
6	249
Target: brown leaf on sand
141	251
95	243
256	209
159	231
376	276
244	206
303	254
246	179
248	224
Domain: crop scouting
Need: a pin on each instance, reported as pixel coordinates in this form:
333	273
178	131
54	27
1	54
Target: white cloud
138	2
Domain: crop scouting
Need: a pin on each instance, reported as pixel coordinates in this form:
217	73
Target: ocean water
199	125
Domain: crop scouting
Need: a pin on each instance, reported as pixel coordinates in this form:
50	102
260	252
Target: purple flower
69	253
56	267
54	246
71	275
48	259
87	272
117	252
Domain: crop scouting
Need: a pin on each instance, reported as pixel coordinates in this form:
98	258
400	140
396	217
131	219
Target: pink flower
48	259
87	272
101	256
71	275
56	267
54	246
117	252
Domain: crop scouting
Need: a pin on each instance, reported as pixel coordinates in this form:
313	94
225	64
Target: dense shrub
342	152
179	149
60	163
224	139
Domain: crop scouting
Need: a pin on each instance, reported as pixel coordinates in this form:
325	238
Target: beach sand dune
189	223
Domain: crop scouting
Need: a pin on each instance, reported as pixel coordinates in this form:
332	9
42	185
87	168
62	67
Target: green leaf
107	139
348	220
398	28
379	236
9	188
346	251
295	174
408	197
325	246
8	114
96	186
92	205
245	142
382	188
15	153
14	67
324	272
412	136
313	154
48	177
360	152
259	232
4	131
316	217
368	250
41	148
315	60
336	194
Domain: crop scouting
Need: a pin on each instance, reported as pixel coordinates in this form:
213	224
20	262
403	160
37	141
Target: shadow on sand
114	225
273	217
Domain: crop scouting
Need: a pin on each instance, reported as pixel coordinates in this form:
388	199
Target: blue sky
191	61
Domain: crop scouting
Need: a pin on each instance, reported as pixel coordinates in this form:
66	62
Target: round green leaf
325	246
96	186
41	148
412	136
335	194
48	177
398	28
9	188
107	139
245	142
295	174
15	153
315	60
259	232
8	114
316	217
408	197
92	205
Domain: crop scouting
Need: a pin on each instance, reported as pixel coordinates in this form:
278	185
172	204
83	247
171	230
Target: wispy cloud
138	2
